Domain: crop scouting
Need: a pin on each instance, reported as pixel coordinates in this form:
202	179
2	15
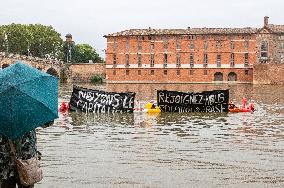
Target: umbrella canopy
28	99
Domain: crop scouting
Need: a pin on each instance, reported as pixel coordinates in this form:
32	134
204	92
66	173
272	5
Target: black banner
207	101
95	101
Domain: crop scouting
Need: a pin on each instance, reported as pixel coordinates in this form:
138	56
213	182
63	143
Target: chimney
266	21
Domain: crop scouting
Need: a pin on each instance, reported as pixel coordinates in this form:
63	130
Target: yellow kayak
156	110
150	109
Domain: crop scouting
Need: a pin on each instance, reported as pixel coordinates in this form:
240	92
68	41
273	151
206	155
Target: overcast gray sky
89	20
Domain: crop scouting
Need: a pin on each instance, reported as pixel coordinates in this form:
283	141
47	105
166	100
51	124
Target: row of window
189	37
178	60
152	72
178	45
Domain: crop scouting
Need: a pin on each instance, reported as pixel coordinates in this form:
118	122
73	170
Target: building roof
189	31
276	28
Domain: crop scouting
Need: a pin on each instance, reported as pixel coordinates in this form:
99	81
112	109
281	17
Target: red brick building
192	55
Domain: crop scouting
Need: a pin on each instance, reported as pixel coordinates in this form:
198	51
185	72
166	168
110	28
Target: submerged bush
97	78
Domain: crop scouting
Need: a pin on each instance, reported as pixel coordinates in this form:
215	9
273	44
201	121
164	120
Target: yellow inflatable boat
150	109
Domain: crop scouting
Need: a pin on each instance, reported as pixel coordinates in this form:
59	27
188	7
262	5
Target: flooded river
170	149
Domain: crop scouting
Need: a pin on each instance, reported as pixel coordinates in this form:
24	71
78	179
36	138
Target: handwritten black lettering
88	100
208	101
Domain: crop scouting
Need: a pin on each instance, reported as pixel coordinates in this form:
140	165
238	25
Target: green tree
16	41
85	52
33	39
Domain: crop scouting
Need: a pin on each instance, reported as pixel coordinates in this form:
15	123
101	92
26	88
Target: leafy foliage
85	52
43	41
97	79
37	40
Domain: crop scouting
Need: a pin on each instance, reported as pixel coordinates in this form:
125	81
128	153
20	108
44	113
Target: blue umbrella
28	99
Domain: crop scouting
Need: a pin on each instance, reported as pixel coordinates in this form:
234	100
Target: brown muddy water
169	149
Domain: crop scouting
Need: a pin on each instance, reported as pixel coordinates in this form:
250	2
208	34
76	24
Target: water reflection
168	149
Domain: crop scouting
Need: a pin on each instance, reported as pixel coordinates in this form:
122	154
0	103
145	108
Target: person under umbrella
24	148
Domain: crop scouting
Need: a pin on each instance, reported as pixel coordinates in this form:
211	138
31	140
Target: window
166	43
191	37
218	76
165	38
282	45
218	60
152	47
191	45
218	44
246	37
205	45
152	72
139	46
178	60
264	51
165	72
114	45
178	42
232	76
205	60
246	59
232	45
231	37
191	72
246	72
246	45
139	72
191	60
165	60
178	72
205	72
127	45
126	72
139	60
218	37
282	58
152	60
114	72
127	60
232	60
264	46
114	59
203	37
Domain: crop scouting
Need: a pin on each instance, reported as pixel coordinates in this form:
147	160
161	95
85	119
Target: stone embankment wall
83	72
269	73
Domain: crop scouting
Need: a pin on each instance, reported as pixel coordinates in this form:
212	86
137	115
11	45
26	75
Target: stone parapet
83	72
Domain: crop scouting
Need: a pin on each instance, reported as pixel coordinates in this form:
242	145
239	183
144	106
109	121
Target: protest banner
207	101
96	101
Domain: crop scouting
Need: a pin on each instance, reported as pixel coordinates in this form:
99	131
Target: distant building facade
193	55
